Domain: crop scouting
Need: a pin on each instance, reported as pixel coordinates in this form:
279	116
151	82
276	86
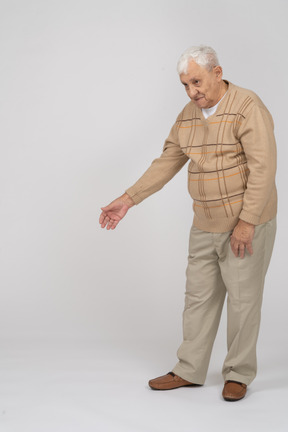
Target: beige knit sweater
232	167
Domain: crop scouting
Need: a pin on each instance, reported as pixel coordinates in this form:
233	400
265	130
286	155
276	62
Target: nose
192	92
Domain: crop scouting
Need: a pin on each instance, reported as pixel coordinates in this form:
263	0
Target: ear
217	70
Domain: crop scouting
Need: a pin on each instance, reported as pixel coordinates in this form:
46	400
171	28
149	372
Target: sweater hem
215	225
227	224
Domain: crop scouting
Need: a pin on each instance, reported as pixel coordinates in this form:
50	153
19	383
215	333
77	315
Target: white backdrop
89	92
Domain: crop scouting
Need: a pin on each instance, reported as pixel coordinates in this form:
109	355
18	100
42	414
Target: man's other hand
115	211
242	238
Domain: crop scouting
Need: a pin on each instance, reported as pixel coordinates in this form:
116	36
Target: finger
242	250
101	218
249	248
234	247
102	222
109	224
105	221
115	223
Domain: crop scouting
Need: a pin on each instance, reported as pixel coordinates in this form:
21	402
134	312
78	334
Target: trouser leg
244	281
204	297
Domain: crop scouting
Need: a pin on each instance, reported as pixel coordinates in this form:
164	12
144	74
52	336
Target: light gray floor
103	387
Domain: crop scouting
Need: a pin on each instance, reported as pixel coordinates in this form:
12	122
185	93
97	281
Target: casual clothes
232	167
231	175
212	271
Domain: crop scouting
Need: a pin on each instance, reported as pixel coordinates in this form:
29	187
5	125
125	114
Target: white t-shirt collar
207	112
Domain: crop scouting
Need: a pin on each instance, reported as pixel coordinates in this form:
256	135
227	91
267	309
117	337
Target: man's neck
223	90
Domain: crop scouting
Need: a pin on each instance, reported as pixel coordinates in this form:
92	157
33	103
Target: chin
202	105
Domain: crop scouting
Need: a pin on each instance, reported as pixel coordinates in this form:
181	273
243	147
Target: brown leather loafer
234	391
169	382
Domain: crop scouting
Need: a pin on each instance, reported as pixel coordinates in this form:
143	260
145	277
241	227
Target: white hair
204	56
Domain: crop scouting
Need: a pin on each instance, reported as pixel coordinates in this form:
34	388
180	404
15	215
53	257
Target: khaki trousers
212	271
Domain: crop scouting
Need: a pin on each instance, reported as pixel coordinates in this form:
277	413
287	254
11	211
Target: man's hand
114	212
241	238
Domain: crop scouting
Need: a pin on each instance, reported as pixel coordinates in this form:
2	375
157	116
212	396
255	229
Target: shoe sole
173	388
233	400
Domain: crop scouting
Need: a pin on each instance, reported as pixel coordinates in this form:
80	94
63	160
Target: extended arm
157	175
162	169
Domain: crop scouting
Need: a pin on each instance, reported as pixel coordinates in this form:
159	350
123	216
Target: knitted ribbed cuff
134	196
249	218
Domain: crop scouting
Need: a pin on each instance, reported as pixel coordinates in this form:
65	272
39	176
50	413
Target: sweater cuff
249	218
134	196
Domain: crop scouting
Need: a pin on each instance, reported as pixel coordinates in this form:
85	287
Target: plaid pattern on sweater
232	167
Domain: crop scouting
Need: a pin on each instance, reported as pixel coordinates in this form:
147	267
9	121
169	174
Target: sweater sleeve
256	135
161	170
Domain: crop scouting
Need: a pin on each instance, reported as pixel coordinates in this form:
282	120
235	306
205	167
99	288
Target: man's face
203	87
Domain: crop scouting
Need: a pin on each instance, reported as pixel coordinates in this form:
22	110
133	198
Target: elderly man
226	133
